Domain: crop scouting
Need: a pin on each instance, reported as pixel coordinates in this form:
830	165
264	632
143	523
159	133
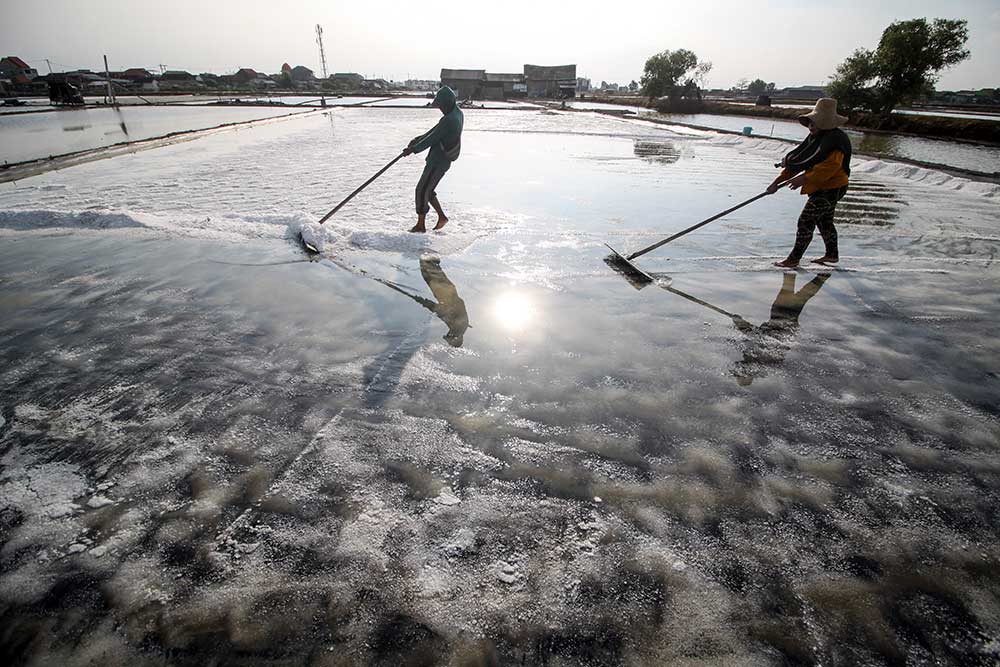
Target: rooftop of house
463	74
16	62
550	72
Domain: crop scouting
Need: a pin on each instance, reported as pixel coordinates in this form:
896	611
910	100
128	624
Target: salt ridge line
283	228
16	171
247	228
241	230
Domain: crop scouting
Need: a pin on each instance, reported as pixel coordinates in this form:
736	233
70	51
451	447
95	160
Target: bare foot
826	259
418	229
442	221
787	264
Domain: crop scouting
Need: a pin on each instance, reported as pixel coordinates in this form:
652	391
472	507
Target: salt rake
639	278
309	235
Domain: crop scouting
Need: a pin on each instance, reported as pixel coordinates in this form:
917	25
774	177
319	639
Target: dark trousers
818	212
433	173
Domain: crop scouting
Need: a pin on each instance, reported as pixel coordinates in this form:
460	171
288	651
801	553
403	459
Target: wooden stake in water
322	60
107	81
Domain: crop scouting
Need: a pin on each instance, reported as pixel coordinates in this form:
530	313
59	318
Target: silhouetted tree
673	74
759	87
905	65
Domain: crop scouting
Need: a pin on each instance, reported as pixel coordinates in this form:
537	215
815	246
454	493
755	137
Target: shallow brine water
482	446
67	130
974	156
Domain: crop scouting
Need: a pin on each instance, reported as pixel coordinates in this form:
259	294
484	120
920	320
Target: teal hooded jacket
445	138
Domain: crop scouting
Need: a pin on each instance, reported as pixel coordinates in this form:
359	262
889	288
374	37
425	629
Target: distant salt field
34	136
977	157
482	445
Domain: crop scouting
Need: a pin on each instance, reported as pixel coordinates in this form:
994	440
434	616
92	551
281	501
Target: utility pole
49	64
322	60
107	81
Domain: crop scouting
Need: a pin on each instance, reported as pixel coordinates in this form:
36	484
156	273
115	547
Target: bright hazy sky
786	41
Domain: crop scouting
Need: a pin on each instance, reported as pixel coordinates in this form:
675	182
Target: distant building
81	78
801	92
301	73
245	75
137	75
503	86
422	84
962	97
557	81
17	70
535	81
134	77
375	84
467	83
348	80
582	85
177	75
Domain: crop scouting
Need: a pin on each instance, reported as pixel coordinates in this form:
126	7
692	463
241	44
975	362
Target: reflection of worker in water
449	307
445	143
766	345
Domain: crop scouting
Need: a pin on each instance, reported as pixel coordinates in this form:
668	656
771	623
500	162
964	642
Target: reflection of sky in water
967	156
214	447
964	155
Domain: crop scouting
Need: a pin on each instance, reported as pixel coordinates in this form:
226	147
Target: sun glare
514	311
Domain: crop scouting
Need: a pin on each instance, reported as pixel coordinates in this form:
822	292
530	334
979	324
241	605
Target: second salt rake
623	263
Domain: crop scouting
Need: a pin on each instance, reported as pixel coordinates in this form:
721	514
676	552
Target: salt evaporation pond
937	112
67	130
973	156
214	451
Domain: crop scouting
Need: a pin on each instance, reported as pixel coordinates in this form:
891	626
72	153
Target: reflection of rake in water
350	268
664	283
636	276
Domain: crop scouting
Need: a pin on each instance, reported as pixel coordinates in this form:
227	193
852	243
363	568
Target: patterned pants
818	212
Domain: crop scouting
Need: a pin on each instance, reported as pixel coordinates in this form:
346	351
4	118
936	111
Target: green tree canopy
759	87
673	74
906	64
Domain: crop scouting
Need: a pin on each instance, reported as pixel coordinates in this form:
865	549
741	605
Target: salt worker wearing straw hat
445	142
821	166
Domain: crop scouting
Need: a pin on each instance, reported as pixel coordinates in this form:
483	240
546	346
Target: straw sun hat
824	116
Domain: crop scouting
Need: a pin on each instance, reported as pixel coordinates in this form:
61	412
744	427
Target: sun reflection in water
514	311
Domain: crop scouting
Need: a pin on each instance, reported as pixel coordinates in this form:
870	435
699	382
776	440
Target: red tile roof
17	62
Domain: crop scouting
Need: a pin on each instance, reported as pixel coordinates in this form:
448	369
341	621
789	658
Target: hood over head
445	99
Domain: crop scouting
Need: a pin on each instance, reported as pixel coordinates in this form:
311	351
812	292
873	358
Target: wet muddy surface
482	446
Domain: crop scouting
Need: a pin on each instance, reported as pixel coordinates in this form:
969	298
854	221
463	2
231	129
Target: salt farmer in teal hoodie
445	142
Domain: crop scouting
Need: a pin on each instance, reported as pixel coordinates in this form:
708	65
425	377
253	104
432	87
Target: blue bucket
747	131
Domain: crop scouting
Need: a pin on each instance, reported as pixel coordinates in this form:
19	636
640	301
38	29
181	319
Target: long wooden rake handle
363	186
701	224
